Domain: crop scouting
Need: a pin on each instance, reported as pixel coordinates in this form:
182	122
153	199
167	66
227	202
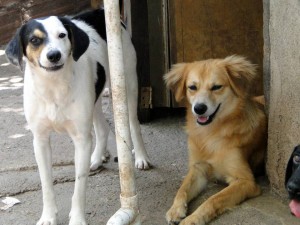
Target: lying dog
226	130
292	181
66	68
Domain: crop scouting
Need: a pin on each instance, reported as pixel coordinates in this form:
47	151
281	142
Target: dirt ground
165	142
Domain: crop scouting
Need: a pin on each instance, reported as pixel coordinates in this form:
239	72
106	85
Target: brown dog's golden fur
229	147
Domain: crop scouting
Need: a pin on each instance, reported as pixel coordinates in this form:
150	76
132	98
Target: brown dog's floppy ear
241	74
175	80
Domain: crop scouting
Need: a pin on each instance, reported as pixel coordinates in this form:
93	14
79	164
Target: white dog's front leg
43	157
83	147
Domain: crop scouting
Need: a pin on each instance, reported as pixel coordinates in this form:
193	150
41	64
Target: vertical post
128	214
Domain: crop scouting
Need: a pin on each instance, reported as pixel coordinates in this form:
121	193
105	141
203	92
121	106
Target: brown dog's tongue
295	208
203	119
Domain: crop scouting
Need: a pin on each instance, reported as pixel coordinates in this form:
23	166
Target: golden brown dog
226	130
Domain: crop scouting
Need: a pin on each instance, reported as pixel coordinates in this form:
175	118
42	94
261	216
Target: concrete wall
282	63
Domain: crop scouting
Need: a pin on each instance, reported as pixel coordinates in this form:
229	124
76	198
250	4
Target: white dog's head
46	43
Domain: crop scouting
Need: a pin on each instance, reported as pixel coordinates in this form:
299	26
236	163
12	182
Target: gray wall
282	85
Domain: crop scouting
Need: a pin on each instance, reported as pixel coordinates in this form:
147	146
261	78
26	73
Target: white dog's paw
47	221
77	219
48	216
97	161
105	92
142	161
95	165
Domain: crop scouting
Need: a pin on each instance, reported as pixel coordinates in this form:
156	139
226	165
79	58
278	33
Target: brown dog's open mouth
204	120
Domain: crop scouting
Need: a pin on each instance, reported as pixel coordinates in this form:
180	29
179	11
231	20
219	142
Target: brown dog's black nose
54	56
200	108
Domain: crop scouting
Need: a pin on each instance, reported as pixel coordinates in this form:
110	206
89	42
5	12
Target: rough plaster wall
284	105
266	57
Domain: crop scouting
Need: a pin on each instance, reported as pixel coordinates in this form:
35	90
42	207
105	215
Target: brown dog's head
212	85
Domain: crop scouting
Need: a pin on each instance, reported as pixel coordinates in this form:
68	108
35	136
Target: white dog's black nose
54	56
200	108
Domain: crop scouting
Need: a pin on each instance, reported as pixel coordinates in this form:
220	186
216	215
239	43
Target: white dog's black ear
79	39
14	50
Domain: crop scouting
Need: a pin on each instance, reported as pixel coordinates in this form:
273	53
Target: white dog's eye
35	41
61	35
192	87
216	87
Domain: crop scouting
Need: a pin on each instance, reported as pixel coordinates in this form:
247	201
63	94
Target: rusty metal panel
158	51
41	8
9	19
146	98
14	13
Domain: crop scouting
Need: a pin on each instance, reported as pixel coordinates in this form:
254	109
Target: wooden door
202	29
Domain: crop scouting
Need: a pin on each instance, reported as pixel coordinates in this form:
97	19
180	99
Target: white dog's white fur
59	95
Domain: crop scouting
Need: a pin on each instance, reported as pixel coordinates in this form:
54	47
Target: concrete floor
165	141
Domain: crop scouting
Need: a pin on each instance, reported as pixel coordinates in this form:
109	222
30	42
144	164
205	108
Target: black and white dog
292	181
66	65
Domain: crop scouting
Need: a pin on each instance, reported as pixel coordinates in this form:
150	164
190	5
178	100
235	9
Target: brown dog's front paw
192	220
176	214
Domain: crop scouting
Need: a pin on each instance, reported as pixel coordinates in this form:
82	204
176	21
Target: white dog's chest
52	117
50	107
53	100
55	113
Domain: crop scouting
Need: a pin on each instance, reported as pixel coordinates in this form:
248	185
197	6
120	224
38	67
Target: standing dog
66	67
226	131
292	181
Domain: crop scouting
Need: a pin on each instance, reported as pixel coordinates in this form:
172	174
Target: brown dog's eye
192	87
296	159
216	87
